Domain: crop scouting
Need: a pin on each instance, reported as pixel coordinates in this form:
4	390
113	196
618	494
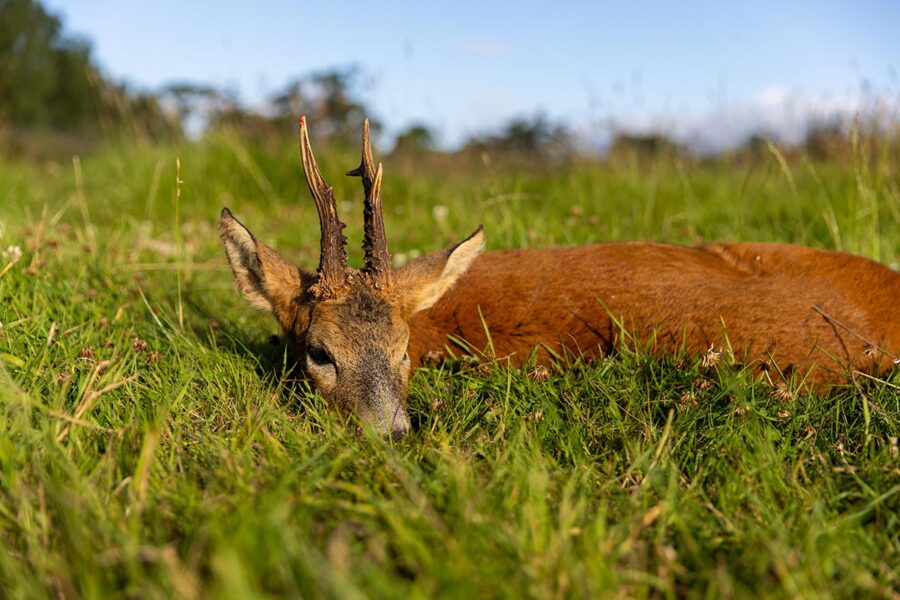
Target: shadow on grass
274	359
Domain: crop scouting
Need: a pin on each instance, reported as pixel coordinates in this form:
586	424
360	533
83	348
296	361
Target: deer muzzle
386	415
382	396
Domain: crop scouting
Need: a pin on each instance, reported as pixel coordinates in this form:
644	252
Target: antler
377	257
333	273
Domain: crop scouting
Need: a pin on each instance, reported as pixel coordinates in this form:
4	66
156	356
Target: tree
535	135
331	101
30	59
415	138
49	80
644	144
826	138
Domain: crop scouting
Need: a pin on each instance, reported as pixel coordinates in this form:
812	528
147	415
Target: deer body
811	312
357	333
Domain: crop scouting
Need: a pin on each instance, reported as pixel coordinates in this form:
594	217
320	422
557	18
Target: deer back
813	312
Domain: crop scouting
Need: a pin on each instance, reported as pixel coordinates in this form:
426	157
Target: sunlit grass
153	441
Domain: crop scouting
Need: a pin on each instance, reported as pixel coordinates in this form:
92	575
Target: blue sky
466	66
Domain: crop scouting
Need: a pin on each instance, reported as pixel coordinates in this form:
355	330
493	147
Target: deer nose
399	428
388	418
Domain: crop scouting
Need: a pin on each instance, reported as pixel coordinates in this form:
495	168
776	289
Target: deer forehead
360	318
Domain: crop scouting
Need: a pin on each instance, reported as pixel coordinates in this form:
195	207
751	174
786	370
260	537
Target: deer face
355	354
348	327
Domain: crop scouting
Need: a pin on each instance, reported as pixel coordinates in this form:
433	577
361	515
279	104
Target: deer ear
265	278
423	281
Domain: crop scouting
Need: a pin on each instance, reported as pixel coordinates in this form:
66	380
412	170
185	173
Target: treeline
55	100
836	137
331	99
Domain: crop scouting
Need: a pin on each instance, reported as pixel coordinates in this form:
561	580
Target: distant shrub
644	145
415	138
535	136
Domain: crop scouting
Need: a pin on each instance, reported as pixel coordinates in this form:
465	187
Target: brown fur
810	312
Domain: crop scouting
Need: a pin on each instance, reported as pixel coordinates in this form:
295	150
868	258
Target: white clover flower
440	213
12	253
712	357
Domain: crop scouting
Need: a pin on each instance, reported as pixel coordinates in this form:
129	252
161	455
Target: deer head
349	327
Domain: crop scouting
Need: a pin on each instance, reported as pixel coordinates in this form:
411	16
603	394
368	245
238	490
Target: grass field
154	444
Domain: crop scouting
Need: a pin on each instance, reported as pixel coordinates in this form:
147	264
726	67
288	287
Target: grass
154	444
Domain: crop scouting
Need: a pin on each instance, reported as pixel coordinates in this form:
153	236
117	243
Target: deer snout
393	420
387	419
381	395
383	408
400	427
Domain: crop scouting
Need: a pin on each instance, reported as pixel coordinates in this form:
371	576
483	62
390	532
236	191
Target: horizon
707	75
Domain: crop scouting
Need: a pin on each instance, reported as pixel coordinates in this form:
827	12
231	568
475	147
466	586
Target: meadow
154	441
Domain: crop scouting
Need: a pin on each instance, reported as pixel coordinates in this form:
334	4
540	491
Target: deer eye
319	356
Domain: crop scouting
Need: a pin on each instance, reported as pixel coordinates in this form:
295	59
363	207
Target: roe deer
793	311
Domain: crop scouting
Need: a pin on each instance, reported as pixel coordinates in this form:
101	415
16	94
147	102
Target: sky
707	72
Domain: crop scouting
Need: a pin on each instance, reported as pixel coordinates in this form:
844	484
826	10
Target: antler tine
333	256
377	257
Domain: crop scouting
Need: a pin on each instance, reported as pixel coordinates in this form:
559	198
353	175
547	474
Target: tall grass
153	442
